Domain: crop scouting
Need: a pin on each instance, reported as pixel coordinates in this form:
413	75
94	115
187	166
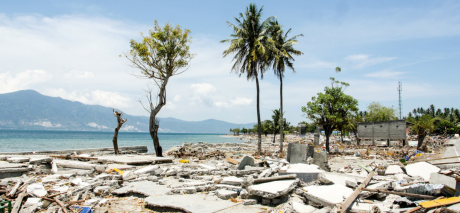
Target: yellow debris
440	202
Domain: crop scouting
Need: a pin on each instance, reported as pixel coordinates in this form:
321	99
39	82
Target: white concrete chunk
329	194
300	207
393	169
273	189
422	169
232	180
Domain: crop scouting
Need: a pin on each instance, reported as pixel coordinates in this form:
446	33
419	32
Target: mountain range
30	110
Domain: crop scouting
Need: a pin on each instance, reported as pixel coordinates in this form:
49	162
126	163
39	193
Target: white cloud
97	97
241	101
177	98
22	80
388	74
361	60
79	74
221	104
203	88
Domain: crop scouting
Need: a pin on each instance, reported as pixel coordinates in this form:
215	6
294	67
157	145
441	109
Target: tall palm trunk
281	116
259	126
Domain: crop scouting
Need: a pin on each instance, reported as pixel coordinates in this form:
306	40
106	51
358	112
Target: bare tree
120	120
160	55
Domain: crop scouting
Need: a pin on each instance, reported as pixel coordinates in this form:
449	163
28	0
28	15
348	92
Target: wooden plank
445	163
13	190
401	193
18	202
232	161
350	199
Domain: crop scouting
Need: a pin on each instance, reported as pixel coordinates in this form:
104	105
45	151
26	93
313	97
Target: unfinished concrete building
383	130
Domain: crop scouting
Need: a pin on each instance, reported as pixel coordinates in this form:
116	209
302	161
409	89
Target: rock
226	194
244	194
250	202
273	189
351	184
129	175
422	169
102	190
247	181
246	161
100	168
232	180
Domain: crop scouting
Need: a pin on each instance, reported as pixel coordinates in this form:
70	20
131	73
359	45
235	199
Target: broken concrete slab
338	178
134	159
146	188
422	169
394	169
300	207
232	180
75	164
451	182
226	194
246	161
17	159
273	189
328	195
146	169
35	160
188	203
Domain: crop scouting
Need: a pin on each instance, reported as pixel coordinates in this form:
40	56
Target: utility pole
400	103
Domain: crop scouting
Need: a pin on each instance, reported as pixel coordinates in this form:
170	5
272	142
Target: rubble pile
227	177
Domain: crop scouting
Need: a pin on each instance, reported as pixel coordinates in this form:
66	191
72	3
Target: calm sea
36	140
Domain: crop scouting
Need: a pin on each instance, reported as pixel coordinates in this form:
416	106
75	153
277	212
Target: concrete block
232	180
250	202
273	189
296	153
422	169
393	169
338	178
321	159
436	178
226	194
246	161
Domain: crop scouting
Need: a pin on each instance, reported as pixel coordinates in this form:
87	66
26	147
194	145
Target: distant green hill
28	109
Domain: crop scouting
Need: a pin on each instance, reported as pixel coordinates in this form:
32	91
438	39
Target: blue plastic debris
82	209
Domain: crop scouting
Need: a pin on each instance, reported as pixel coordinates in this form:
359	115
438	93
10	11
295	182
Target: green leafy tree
421	126
162	53
236	131
267	127
280	60
244	130
276	123
378	112
328	109
250	44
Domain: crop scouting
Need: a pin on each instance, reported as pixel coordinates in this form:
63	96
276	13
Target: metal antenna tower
400	104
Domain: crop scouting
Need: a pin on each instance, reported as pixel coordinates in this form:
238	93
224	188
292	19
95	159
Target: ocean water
37	140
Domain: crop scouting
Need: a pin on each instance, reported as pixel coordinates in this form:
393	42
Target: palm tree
281	58
276	122
250	45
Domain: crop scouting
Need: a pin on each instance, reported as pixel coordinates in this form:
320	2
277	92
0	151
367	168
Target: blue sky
71	50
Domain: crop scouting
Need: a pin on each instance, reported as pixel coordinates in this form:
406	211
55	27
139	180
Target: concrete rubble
229	177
